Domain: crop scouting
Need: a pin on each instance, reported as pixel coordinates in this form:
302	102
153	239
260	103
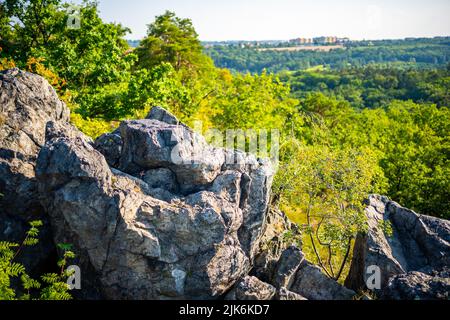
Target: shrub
52	286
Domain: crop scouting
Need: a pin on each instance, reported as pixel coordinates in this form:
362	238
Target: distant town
323	43
323	40
319	40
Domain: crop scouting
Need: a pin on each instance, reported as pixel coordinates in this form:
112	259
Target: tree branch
345	259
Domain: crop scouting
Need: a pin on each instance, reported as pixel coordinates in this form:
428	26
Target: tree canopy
173	40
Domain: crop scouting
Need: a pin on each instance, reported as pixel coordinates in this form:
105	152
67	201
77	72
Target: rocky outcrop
161	114
416	285
110	145
27	103
410	251
154	212
285	294
293	278
282	264
279	234
251	288
290	261
313	284
166	223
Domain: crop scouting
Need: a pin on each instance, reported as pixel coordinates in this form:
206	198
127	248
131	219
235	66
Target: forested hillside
411	53
371	86
375	119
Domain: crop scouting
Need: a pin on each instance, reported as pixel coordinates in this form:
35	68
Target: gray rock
285	294
279	234
161	114
416	285
150	144
27	102
281	263
418	243
162	178
312	284
256	186
154	212
287	266
228	186
251	288
139	243
110	145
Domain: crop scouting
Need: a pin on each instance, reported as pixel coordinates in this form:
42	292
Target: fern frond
36	223
6	245
50	278
15	269
30	242
29	283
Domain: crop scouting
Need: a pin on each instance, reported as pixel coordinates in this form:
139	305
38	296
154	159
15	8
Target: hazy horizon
261	20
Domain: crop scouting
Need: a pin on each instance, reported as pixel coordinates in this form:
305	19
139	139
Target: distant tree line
417	53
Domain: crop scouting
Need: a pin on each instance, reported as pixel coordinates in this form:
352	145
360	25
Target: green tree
252	102
416	158
91	59
27	24
91	55
323	190
174	40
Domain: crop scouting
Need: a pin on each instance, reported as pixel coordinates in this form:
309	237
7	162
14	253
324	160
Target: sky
287	19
